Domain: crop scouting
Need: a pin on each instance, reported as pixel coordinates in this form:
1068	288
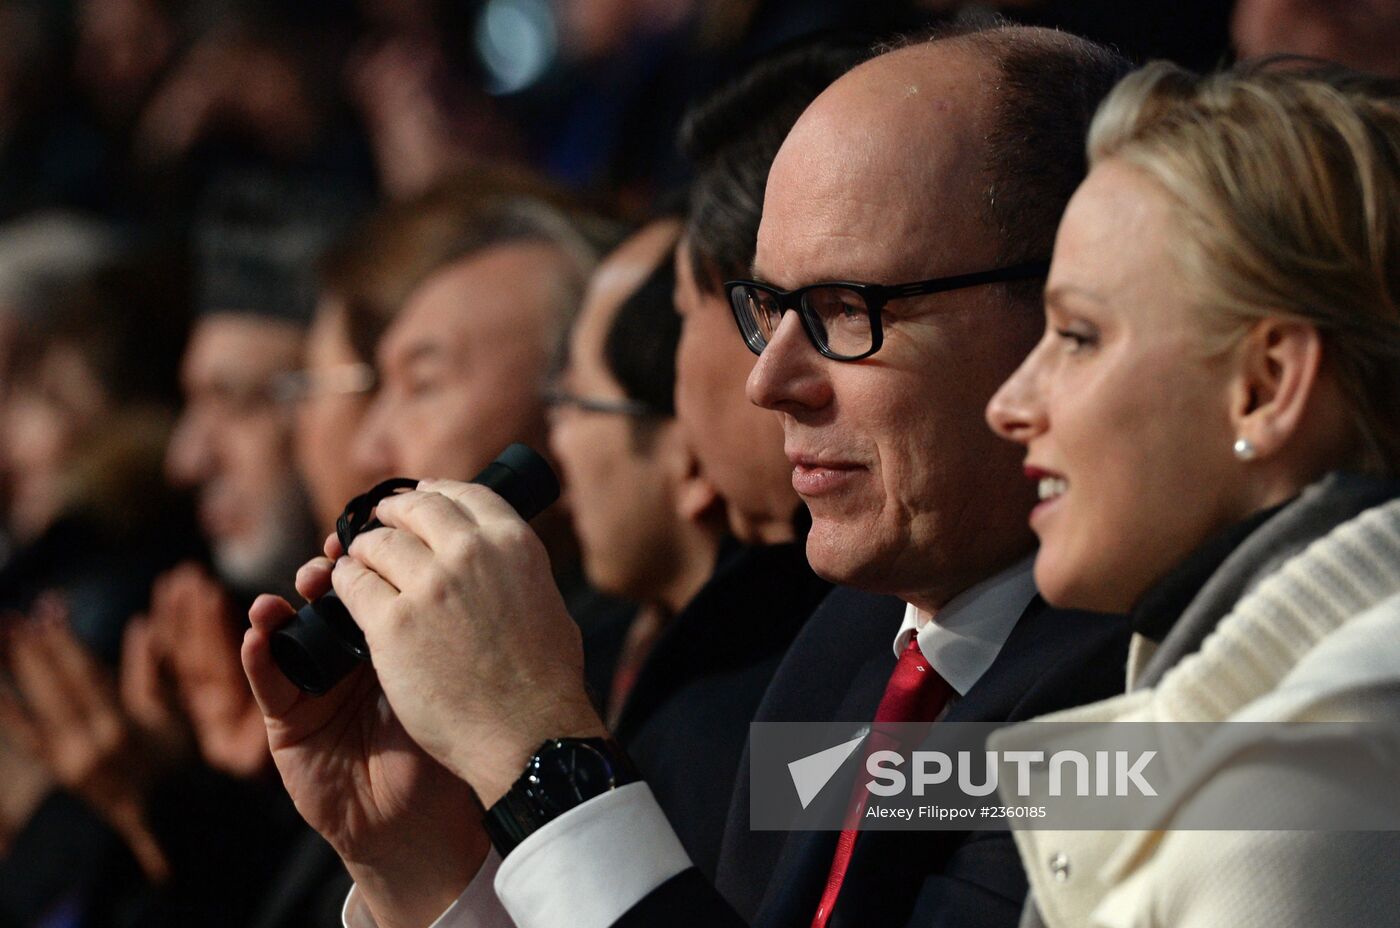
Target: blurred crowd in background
222	224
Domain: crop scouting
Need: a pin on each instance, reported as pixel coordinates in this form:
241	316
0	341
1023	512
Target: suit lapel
1051	659
751	607
835	670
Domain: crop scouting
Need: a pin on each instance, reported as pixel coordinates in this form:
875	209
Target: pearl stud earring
1244	449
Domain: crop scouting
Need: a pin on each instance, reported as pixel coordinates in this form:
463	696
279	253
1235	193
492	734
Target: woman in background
84	432
1211	418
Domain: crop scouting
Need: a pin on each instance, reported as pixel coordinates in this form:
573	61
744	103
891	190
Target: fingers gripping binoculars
322	644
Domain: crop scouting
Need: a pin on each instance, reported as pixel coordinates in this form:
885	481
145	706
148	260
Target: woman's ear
1280	360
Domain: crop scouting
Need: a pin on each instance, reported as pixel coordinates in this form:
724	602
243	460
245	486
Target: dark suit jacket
223	837
309	890
685	723
837	670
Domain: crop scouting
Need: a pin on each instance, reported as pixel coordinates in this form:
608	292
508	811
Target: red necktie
916	693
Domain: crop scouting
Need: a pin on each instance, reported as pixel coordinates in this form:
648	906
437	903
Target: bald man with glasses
931	163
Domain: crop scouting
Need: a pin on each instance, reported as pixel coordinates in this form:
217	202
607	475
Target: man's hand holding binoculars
473	645
407	829
475	663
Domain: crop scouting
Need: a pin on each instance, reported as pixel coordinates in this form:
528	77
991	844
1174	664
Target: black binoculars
322	644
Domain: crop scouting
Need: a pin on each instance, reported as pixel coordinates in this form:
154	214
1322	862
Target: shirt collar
967	634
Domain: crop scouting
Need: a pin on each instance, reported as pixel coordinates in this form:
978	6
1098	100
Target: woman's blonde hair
1286	184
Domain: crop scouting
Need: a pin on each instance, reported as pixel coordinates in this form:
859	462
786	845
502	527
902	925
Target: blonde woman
1213	420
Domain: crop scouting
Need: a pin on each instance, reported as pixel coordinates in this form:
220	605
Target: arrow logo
811	773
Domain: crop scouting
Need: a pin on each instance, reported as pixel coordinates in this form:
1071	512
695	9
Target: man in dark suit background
933	161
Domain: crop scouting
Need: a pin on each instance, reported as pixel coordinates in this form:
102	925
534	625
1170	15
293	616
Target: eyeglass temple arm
1025	271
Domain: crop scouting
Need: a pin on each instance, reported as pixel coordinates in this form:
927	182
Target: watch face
571	773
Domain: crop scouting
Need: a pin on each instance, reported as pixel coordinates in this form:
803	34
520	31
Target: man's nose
189	457
372	451
790	373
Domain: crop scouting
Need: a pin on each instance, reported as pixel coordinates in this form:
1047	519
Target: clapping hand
105	742
199	644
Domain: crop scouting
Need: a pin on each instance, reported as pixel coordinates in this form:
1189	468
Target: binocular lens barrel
322	644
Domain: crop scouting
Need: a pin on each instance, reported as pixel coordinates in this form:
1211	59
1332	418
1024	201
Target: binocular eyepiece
322	644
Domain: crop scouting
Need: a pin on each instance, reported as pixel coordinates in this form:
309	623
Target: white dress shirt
972	626
593	863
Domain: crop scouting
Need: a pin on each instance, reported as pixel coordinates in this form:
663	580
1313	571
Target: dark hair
1050	86
258	236
129	320
640	350
731	139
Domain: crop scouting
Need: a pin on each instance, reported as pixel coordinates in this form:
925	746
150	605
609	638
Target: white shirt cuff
589	866
477	907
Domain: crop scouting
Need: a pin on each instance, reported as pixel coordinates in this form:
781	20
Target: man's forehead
882	176
491	298
230	325
917	94
417	336
236	346
873	226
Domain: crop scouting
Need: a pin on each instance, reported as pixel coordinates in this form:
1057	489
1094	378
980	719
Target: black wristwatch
563	774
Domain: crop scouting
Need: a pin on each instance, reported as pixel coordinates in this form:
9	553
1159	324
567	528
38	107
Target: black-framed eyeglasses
842	318
562	399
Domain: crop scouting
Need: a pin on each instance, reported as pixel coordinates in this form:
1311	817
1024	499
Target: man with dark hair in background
731	139
256	247
259	237
715	614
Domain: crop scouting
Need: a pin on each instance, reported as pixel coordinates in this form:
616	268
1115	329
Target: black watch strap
563	774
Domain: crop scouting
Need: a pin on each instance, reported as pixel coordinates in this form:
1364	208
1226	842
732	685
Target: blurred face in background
740	446
233	444
334	394
122	46
1361	34
629	478
462	367
46	415
592	30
